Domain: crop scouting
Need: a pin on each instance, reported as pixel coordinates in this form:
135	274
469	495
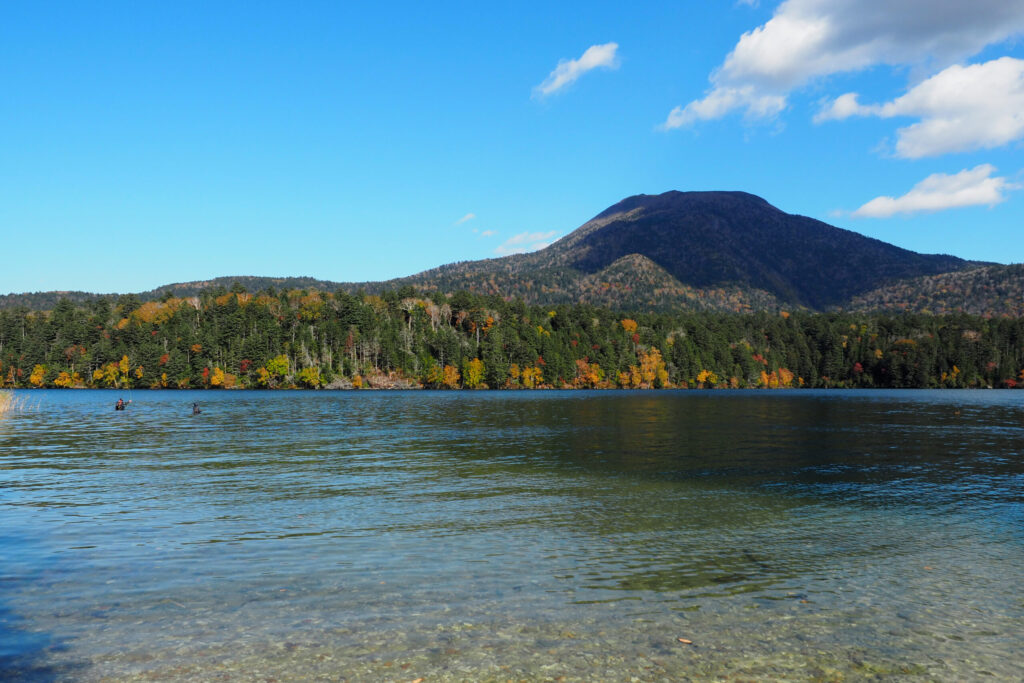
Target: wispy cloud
568	70
810	39
488	233
940	191
465	219
524	242
961	108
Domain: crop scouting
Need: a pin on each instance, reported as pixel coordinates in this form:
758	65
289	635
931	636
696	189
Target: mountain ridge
713	250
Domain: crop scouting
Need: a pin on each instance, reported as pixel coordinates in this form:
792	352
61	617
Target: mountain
692	245
989	291
678	250
47	300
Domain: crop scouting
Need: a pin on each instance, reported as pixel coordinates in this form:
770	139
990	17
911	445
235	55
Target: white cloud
489	233
980	106
809	39
568	70
468	217
842	107
524	242
721	101
939	191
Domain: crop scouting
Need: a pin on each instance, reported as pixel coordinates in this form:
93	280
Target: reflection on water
510	535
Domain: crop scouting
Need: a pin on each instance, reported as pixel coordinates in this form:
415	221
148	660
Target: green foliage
278	366
307	338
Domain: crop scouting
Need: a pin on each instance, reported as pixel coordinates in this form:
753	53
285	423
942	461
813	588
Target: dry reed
10	403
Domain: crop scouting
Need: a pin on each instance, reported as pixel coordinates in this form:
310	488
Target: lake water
501	535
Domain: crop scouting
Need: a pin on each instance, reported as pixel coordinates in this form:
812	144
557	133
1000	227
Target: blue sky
143	143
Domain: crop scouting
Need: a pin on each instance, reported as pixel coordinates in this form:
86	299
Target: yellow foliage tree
149	312
707	378
473	373
67	380
109	375
310	377
37	376
278	366
652	368
513	375
531	377
951	378
629	325
217	378
434	376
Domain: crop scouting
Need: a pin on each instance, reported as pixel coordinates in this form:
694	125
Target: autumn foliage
316	339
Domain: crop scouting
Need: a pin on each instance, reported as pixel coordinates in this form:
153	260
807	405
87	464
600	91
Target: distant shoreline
508	389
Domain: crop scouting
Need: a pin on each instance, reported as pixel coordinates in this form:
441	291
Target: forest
403	338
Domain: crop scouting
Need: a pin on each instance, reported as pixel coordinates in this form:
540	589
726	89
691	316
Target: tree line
405	338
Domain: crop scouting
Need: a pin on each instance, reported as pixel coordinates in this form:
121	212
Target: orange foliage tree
588	374
450	377
776	379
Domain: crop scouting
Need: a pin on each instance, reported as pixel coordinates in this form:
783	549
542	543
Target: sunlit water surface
537	535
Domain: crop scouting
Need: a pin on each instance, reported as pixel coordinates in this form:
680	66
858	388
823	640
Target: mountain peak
714	239
677	200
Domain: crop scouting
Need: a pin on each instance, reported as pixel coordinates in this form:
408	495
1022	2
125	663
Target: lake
513	535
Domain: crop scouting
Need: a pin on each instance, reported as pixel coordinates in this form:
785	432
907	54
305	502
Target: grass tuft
10	403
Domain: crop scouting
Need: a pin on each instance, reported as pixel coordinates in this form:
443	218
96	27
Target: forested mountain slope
695	243
989	291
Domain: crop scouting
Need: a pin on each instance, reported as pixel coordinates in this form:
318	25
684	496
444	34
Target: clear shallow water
480	536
